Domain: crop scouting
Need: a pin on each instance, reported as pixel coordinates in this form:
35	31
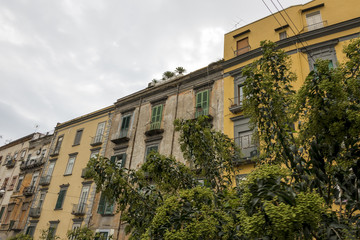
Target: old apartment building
143	121
64	199
318	29
20	164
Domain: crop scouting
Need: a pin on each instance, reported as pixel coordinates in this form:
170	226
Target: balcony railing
199	111
10	163
249	150
97	140
16	225
315	26
32	163
121	136
56	151
154	128
45	180
236	104
83	173
35	212
79	209
243	50
29	191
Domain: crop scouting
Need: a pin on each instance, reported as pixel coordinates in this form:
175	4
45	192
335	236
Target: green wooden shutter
156	117
113	158
202	103
205	102
60	199
123	160
101	207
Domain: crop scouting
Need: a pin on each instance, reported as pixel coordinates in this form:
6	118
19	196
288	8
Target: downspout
130	161
176	108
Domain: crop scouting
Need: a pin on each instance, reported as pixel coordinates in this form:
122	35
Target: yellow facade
70	153
319	29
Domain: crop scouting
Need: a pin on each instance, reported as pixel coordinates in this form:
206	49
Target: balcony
32	163
35	212
120	137
315	26
83	173
241	51
55	152
10	163
45	180
2	192
16	225
97	140
248	149
154	128
79	209
236	105
29	191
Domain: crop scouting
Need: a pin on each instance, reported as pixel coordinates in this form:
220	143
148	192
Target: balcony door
83	198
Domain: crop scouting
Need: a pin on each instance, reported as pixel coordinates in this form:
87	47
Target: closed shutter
156	117
242	46
202	103
101	207
60	199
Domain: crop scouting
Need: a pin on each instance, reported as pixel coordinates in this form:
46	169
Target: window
23	154
2	212
15	155
60	199
125	125
52	229
21	178
43	152
119	159
41	199
50	168
58	144
99	132
81	208
243	138
102	235
94	154
239	178
12	184
242	46
202	103
314	21
5	183
1	158
30	230
34	179
70	165
78	137
152	148
324	53
105	207
283	35
156	116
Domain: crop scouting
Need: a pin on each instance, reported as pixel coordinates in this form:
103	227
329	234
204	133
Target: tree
21	236
323	157
84	233
301	172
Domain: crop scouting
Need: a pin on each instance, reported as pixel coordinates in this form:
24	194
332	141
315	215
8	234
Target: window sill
76	144
68	174
55	209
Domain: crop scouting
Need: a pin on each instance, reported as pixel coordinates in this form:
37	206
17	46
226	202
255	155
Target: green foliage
83	233
21	236
291	192
48	234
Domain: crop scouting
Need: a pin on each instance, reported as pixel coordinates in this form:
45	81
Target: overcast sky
61	59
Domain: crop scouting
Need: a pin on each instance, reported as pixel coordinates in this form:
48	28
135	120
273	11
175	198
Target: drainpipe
130	160
176	108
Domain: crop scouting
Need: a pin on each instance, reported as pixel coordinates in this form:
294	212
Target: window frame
104	205
156	116
205	110
61	198
78	136
68	169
